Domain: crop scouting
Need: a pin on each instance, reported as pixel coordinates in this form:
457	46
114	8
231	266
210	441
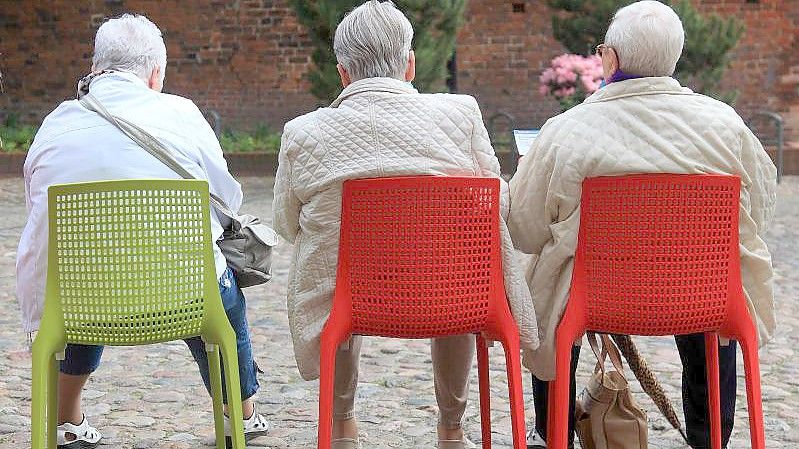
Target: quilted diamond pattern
379	127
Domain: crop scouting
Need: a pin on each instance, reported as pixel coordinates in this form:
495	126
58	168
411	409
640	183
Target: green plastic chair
131	263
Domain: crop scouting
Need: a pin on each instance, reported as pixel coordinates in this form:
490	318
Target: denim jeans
84	359
694	392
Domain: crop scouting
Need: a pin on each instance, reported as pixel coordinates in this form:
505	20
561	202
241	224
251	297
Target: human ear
345	77
410	74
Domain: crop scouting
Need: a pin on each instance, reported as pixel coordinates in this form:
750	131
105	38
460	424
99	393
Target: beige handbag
246	243
607	417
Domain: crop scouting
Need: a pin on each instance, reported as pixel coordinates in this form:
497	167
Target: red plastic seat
658	255
419	257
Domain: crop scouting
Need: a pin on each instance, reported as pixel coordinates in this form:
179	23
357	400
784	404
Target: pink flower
571	75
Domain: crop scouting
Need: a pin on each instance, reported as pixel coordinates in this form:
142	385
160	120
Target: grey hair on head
130	43
648	36
374	40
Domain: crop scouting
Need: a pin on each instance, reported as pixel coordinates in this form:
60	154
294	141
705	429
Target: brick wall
765	66
246	59
501	54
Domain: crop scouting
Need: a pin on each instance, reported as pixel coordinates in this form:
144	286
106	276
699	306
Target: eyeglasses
600	49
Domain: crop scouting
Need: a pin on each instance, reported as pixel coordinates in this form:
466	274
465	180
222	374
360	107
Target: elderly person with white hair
643	121
379	126
75	144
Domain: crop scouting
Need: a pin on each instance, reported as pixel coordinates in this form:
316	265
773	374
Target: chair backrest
419	257
658	254
130	262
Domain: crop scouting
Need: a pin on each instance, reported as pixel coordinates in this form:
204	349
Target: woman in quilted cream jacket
379	126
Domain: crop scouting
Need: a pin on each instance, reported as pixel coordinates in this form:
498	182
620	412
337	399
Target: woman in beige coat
643	121
379	126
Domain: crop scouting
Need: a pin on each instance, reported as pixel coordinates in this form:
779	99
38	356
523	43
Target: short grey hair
648	37
130	43
374	40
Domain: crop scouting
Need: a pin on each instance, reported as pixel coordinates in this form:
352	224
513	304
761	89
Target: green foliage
262	140
15	138
580	25
708	42
435	24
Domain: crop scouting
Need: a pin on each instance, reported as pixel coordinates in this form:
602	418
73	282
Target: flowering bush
571	78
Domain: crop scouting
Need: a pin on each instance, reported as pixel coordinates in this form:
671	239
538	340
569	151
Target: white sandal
81	436
463	443
254	427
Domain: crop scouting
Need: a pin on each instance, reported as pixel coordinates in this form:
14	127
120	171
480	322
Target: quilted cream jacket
377	127
647	125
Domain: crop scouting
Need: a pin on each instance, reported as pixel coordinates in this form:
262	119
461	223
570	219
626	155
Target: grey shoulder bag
246	243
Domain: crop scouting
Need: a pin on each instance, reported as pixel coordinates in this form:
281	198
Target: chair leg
558	413
327	372
485	392
42	393
713	388
52	401
215	374
752	371
515	394
233	387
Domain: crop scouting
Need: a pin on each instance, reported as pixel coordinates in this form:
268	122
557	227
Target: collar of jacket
367	85
650	85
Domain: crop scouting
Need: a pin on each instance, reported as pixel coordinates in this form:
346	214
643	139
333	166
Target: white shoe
82	436
254	427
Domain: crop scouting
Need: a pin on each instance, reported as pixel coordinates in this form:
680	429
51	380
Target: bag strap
151	145
608	350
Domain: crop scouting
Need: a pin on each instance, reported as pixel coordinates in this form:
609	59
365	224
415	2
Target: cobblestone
152	396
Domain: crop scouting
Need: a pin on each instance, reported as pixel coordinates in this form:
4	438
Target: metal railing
779	139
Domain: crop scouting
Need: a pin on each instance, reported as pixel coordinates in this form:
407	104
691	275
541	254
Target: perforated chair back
130	262
440	283
657	254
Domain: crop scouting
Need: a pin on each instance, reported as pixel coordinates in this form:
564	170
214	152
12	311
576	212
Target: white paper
524	139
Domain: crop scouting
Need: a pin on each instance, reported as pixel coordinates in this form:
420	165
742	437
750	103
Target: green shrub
435	24
16	138
241	142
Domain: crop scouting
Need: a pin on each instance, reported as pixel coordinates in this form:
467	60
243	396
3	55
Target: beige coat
647	125
378	127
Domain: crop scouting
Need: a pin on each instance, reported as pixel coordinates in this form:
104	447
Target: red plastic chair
419	257
658	255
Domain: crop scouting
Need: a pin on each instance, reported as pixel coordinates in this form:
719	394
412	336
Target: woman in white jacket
379	126
643	121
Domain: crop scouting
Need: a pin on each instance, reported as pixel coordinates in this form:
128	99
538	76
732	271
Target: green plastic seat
131	263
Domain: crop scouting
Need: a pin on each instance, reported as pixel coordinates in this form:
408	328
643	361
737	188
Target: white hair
374	40
648	37
130	43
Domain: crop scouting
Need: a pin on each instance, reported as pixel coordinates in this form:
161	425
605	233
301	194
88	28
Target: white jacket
378	127
646	125
75	145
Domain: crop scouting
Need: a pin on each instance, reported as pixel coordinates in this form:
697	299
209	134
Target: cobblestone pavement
152	397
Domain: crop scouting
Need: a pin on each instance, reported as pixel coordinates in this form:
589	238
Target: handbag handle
152	145
609	350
